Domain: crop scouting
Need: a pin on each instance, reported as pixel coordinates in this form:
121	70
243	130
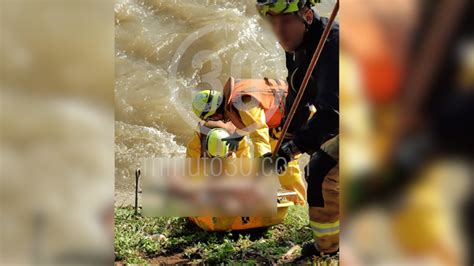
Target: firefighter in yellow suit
254	106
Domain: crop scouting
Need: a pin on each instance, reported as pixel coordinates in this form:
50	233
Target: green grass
145	240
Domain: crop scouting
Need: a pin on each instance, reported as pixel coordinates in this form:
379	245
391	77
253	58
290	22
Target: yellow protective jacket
254	117
254	106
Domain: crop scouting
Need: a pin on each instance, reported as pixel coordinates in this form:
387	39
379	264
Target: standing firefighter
298	29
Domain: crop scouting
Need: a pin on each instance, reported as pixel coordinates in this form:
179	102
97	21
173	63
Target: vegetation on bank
166	240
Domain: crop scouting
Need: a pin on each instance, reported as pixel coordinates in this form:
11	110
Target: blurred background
407	75
406	126
57	131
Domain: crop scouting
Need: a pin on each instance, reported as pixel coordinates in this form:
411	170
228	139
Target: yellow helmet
277	7
206	103
215	147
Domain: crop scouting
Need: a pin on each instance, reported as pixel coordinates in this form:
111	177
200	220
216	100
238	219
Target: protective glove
233	141
285	154
280	163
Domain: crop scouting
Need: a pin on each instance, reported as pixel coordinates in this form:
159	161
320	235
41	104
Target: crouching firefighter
298	29
254	106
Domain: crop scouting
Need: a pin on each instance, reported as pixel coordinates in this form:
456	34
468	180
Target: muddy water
166	51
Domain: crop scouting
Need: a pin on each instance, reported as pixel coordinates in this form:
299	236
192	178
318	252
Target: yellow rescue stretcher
243	223
209	223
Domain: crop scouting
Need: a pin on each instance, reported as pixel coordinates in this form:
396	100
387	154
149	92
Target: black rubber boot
309	250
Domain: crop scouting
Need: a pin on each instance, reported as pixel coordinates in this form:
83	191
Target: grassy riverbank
176	240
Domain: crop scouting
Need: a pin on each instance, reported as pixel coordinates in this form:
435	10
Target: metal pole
137	177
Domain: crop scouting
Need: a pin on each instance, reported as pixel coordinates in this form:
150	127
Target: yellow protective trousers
292	178
324	221
322	175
